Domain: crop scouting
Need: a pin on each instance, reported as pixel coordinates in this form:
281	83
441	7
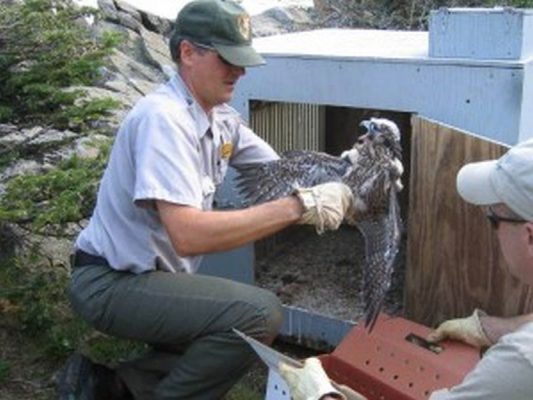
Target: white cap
508	180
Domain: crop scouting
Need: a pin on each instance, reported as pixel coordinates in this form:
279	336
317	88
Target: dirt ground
322	274
29	377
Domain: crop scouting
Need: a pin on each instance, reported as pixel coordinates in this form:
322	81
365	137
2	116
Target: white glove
309	382
468	330
325	205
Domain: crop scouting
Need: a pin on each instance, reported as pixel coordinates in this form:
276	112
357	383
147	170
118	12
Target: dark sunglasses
209	48
495	219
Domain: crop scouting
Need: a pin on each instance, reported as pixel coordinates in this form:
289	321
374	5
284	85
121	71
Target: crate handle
421	342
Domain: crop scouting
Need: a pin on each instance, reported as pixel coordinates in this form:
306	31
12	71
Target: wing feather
382	235
259	183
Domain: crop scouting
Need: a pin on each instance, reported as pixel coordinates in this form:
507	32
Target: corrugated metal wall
289	126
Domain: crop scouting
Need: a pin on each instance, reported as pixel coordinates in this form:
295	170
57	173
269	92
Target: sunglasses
209	48
495	219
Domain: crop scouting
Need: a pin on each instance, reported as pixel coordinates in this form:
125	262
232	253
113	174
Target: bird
372	168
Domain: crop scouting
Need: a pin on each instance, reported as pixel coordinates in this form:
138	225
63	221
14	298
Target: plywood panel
453	262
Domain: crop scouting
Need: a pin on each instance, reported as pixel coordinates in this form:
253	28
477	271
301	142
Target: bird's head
382	131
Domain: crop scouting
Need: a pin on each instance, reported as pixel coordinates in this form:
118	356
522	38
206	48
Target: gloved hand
325	205
309	382
468	330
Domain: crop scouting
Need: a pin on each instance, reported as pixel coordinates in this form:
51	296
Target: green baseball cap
219	24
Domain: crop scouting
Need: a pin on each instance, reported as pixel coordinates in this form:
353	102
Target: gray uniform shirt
505	372
167	148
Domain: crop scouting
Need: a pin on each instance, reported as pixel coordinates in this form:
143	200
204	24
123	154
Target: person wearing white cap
133	269
504	188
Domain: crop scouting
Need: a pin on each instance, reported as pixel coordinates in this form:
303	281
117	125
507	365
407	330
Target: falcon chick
372	169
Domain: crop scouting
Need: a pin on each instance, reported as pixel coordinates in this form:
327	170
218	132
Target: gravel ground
322	274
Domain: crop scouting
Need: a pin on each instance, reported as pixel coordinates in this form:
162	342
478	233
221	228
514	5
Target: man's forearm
195	232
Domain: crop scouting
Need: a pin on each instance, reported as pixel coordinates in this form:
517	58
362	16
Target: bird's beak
369	131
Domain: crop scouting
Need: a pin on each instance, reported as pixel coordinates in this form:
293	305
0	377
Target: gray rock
128	9
156	49
29	141
21	167
108	9
127	89
15	137
6	129
157	24
90	147
129	21
134	72
52	136
124	15
278	20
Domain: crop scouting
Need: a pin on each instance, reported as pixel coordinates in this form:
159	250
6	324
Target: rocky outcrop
278	20
40	149
133	70
138	66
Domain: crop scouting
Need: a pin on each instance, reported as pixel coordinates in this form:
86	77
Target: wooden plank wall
453	259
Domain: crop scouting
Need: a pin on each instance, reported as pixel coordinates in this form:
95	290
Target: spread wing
382	233
275	179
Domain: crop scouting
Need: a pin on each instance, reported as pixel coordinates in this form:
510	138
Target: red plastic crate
395	363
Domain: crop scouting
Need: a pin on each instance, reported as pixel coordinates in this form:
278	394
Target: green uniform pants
186	318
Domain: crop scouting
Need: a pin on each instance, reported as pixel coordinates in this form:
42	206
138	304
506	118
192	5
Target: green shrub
110	350
4	371
45	46
81	115
35	293
44	50
46	203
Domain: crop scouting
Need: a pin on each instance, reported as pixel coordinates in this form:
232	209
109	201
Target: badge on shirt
226	150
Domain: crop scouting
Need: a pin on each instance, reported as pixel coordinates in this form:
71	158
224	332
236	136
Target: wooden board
453	259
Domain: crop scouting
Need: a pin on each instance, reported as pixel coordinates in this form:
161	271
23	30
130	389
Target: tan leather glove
309	382
325	205
468	330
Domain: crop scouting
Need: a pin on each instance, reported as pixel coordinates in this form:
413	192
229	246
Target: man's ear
186	51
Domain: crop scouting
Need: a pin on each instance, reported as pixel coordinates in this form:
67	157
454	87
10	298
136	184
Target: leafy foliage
45	49
90	111
108	349
45	46
4	371
35	293
46	203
